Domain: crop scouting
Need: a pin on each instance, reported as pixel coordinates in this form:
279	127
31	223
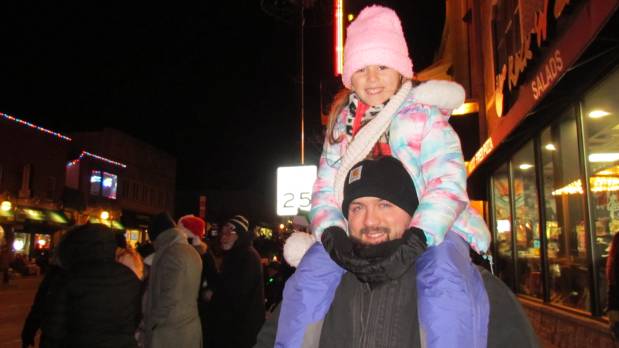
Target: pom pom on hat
375	38
296	246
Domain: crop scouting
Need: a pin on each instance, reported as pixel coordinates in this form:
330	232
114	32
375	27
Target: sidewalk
15	302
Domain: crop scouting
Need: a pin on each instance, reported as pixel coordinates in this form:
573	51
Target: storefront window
564	210
502	225
95	182
601	120
21	243
527	227
109	185
42	241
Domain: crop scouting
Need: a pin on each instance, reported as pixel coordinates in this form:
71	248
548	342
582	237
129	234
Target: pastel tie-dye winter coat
422	139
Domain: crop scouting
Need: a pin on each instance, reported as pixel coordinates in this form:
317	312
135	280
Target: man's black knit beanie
383	178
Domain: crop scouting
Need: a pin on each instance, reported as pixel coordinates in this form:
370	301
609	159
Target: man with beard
377	302
237	310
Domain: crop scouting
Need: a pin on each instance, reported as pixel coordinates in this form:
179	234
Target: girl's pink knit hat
375	38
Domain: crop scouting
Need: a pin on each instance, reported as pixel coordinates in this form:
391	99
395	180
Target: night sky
214	84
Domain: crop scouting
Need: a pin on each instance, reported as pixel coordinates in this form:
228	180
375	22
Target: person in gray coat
171	315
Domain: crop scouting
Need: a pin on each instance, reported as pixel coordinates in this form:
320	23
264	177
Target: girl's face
374	84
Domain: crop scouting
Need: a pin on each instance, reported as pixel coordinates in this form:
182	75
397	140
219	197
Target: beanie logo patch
354	175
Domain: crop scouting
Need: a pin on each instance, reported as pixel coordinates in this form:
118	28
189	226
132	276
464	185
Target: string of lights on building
31	125
101	158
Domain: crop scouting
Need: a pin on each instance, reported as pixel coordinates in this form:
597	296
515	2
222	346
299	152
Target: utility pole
302	27
319	13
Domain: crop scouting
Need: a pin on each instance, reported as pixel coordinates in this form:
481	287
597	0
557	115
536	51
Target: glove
376	263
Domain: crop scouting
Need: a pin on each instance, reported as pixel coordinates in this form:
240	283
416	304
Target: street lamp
6	206
104	215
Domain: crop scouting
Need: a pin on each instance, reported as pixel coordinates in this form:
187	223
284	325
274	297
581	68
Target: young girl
380	113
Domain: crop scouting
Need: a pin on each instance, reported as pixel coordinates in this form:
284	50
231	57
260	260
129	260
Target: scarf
375	264
361	114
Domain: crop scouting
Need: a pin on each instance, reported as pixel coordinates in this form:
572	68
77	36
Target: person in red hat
195	229
171	316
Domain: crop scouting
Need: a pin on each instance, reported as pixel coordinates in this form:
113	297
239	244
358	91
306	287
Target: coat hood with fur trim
440	93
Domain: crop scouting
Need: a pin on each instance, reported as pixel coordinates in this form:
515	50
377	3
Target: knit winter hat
383	178
195	226
375	38
241	224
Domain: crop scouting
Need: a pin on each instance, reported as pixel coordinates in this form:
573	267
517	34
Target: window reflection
502	218
95	182
527	223
564	210
601	120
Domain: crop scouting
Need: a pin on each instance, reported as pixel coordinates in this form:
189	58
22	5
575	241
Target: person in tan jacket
171	314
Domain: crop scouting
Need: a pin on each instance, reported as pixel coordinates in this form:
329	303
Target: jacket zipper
365	321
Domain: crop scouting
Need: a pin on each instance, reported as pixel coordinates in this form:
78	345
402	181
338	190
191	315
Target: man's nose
371	218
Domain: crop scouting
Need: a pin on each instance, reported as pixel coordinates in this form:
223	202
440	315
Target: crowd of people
170	292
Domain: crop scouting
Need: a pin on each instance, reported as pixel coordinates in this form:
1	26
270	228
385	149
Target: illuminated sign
482	153
294	189
517	63
338	36
572	37
548	75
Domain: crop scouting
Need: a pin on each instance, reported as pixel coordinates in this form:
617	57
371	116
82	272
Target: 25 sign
294	189
305	198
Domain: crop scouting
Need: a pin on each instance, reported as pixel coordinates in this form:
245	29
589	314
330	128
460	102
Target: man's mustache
367	230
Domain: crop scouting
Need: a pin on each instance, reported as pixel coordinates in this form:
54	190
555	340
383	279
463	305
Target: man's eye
354	209
362	70
384	205
383	67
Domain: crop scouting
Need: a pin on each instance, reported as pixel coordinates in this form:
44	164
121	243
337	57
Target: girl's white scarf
367	136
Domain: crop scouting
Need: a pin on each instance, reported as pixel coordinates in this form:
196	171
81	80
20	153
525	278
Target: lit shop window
527	228
565	214
104	184
21	244
95	183
502	224
600	112
109	185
